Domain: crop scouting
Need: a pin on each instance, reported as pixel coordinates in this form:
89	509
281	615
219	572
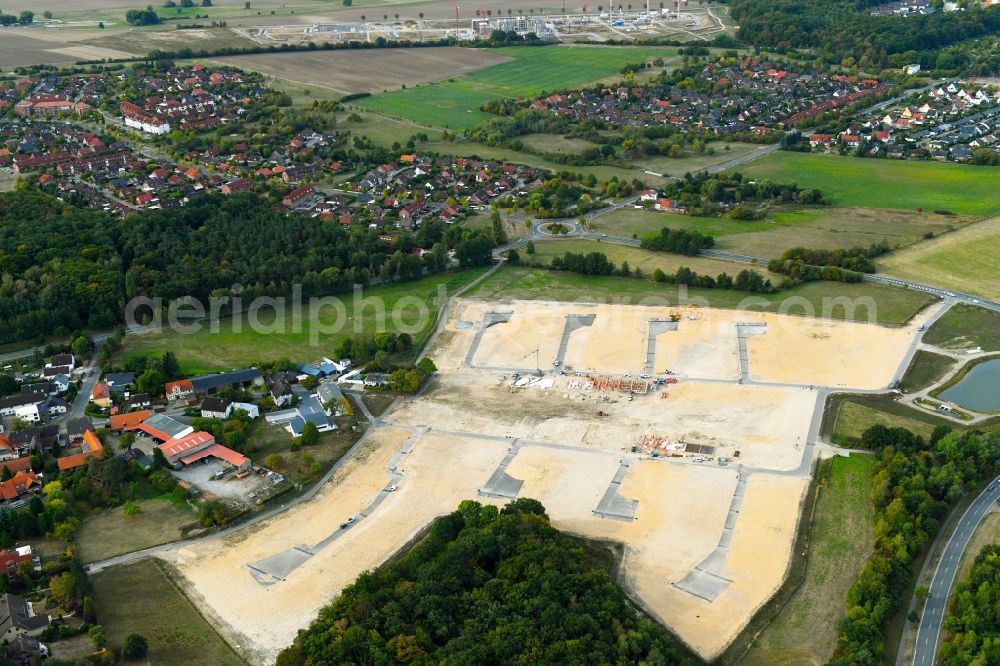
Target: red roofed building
9	559
101	395
181	388
92	448
129	421
21	484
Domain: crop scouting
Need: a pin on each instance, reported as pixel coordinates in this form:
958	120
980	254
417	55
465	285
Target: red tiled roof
17	486
129	421
218	451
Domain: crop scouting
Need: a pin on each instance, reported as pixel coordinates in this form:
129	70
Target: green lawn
455	103
966	327
231	347
871	183
926	368
893	306
140	598
805	630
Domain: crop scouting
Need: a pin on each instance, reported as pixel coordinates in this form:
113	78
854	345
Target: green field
871	183
805	630
966	327
848	417
205	351
925	369
893	306
140	598
646	260
965	260
455	103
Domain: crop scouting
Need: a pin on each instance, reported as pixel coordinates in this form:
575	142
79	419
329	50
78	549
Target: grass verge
925	369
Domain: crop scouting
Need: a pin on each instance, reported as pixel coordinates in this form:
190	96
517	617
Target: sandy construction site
700	473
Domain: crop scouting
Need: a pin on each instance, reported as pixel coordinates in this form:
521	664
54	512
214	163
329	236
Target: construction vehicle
675	316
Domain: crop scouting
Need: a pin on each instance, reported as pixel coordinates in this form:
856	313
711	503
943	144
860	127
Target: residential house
177	390
92	448
75	429
137	401
119	381
101	395
14	489
251	410
17	619
281	393
10	405
10	559
120	423
215	408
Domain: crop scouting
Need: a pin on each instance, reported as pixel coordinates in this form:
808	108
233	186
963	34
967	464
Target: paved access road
929	630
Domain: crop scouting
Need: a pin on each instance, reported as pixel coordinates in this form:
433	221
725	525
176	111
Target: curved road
929	629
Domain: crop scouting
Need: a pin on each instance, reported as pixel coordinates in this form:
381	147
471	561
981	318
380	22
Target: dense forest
845	31
64	269
486	586
974	622
916	483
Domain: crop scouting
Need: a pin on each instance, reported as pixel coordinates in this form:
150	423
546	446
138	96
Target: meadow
239	346
965	260
455	103
871	183
140	598
826	228
965	327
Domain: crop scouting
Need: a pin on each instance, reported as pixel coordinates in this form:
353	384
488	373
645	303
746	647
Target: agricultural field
645	260
111	533
892	306
455	103
965	260
966	327
141	598
205	351
870	183
21	47
805	630
354	71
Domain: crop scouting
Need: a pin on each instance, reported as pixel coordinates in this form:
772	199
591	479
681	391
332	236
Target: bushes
679	241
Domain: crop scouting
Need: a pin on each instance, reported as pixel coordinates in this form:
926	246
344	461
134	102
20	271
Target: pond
979	390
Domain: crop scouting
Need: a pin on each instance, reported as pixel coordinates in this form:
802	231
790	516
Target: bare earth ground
566	457
29	47
368	70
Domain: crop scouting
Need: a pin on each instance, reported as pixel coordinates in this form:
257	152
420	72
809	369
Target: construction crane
538	367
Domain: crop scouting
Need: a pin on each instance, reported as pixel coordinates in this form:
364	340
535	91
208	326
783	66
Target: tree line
916	483
64	268
802	265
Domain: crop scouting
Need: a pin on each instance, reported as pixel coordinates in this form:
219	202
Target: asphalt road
929	630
